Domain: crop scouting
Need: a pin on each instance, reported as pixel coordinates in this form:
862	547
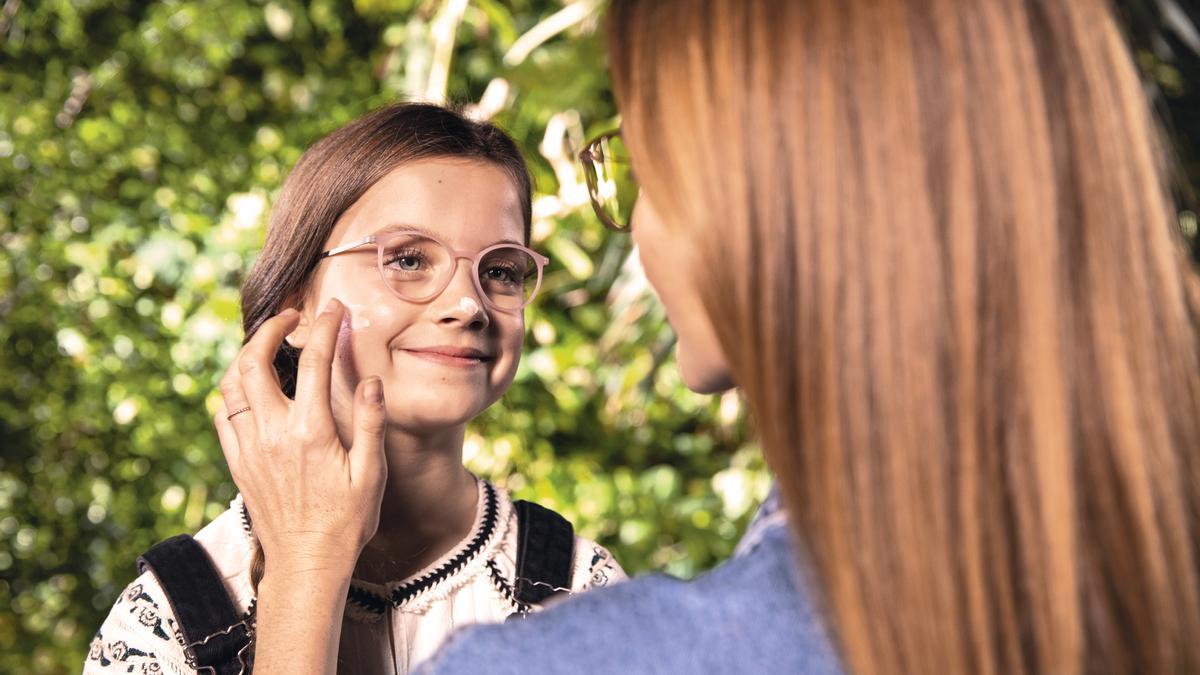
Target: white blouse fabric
387	629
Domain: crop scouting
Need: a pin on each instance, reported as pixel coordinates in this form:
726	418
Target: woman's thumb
366	453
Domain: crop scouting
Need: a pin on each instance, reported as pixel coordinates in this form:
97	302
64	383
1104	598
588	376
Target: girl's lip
451	356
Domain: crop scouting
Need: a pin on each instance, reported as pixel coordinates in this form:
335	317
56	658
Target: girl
396	265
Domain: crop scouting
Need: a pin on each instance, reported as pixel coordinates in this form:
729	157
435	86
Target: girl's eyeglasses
417	267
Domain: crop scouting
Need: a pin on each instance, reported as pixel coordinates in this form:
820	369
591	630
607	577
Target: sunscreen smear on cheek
343	336
358	319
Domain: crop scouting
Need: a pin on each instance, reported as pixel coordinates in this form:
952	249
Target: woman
930	240
397	251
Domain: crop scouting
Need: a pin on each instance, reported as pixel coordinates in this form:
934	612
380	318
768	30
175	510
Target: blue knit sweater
751	614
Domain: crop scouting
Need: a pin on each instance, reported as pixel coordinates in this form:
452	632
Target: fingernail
289	312
374	390
333	305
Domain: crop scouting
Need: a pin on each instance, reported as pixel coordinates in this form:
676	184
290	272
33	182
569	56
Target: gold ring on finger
239	411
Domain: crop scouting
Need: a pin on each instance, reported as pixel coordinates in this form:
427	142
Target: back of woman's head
338	169
939	258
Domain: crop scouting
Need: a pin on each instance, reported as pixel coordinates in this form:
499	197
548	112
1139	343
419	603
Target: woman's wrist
309	570
300	605
309	556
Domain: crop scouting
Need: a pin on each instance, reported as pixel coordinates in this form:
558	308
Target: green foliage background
140	146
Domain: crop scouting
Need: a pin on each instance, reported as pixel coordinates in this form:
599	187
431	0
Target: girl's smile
460	357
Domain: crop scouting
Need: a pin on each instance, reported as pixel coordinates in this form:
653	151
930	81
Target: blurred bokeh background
141	144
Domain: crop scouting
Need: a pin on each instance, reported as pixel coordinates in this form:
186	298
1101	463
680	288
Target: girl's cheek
363	324
357	318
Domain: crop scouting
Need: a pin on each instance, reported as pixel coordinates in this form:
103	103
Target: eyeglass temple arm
586	154
346	247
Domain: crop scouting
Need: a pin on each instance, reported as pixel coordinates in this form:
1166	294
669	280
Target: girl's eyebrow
412	227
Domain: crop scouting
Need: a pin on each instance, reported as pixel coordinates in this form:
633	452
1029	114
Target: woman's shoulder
141	634
748	614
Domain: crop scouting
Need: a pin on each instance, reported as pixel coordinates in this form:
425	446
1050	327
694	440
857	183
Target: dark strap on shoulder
211	627
545	553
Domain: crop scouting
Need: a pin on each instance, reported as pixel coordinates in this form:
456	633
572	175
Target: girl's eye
406	261
500	274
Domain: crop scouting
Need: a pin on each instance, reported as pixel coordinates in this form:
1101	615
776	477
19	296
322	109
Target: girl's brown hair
330	177
939	256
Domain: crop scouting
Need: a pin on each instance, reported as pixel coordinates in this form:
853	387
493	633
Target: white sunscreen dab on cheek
468	305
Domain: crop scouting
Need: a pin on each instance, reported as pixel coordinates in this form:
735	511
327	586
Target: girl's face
669	260
420	350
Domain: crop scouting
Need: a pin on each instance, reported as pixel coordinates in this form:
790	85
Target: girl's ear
299	337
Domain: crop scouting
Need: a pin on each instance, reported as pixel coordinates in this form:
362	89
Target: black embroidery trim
369	601
246	518
376	603
505	588
250	620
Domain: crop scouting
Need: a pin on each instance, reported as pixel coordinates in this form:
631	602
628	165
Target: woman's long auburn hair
937	249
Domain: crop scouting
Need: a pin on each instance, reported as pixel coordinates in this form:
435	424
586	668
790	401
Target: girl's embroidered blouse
387	628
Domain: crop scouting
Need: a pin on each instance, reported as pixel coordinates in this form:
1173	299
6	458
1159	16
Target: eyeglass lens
611	183
416	267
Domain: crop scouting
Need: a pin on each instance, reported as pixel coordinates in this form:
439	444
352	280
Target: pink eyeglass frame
455	255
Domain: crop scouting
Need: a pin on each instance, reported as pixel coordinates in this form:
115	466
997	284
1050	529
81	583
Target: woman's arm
314	503
299	620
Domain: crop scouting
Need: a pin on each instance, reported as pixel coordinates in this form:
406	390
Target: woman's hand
314	503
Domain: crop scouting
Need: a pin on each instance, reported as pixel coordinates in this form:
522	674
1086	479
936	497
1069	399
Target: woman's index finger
316	359
256	363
